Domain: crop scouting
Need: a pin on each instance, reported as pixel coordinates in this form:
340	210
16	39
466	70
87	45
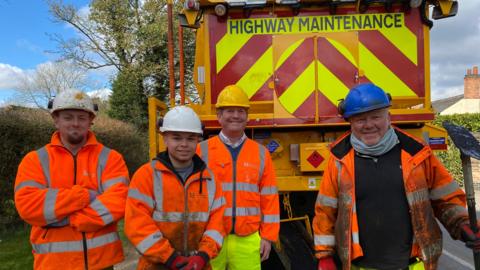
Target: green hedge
451	157
23	130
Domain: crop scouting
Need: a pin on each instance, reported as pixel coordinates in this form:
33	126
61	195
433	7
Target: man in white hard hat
73	192
175	206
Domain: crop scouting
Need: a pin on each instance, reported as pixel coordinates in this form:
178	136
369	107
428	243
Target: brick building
469	102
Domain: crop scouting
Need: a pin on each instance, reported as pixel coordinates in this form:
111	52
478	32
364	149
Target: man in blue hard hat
381	192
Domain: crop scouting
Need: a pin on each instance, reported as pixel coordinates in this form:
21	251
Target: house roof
441	104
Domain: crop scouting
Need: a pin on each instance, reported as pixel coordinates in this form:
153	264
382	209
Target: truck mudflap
294	249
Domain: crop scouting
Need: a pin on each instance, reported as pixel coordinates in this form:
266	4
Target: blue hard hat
363	98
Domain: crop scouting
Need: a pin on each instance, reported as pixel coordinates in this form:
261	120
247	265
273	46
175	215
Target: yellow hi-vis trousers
418	265
238	253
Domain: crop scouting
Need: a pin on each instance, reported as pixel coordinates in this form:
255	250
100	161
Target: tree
127	104
47	80
128	35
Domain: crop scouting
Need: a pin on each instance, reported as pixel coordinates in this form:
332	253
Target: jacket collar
415	148
166	163
91	139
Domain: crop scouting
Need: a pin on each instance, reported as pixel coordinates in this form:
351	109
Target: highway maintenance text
314	24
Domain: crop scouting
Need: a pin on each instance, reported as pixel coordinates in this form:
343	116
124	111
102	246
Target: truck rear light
287	2
220	10
192	5
415	3
236	3
246	3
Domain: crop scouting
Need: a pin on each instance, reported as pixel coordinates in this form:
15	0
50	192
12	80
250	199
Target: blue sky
455	44
26	25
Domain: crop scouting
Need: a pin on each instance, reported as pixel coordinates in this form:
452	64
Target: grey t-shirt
184	173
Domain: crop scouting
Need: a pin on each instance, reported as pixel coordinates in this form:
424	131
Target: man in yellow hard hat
246	171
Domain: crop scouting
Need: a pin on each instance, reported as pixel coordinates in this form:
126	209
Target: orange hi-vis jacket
164	215
249	186
430	191
73	203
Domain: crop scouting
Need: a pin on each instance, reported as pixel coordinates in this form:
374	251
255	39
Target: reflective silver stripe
71	246
45	163
355	238
211	189
157	187
102	240
354	208
432	250
198	216
227	186
215	235
324	240
167	216
261	149
440	192
179	216
269	190
240	187
102	211
270	218
247	187
327	201
135	194
149	241
243	211
417	196
102	163
112	181
339	169
218	203
49	206
452	212
204	149
28	183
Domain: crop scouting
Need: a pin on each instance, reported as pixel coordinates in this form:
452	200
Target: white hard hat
73	100
183	119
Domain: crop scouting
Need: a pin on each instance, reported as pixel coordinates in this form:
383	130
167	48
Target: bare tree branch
49	79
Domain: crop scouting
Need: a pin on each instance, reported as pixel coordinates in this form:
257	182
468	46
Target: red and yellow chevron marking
318	68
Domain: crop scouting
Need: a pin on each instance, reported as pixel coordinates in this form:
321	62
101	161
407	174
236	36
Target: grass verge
15	249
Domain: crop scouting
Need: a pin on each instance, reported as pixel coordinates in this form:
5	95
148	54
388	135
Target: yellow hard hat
232	96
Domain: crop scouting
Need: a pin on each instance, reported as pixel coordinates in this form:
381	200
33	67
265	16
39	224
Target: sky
26	43
26	25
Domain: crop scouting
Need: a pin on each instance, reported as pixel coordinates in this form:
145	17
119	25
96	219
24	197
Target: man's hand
471	239
265	247
195	262
326	263
176	262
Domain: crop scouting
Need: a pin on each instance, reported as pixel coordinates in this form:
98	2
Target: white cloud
103	94
454	49
84	11
9	76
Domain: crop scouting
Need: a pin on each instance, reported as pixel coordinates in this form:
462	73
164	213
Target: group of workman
214	204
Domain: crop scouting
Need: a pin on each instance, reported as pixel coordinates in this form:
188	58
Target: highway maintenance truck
296	59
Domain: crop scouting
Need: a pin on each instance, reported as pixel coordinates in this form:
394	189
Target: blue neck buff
388	141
